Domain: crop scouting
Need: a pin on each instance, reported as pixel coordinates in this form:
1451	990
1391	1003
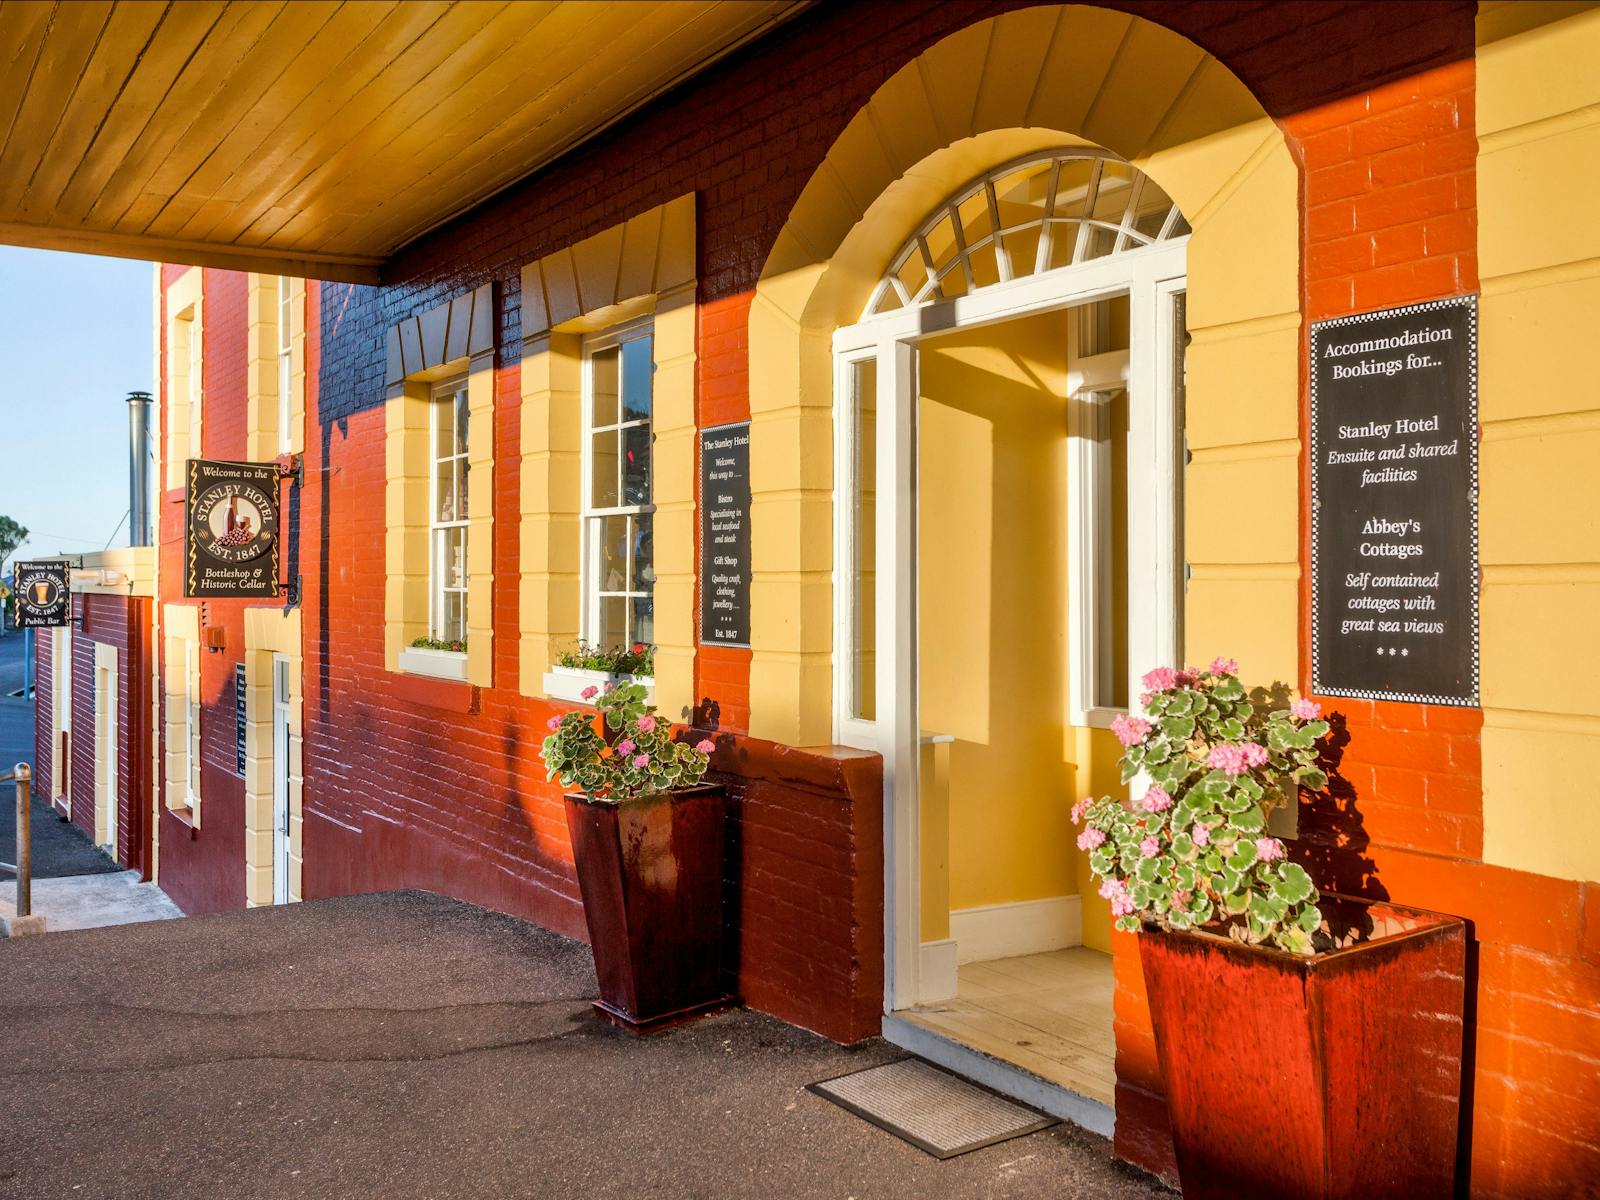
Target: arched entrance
1006	512
1026	86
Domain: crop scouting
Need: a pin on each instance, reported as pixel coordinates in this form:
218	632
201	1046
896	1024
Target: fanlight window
1029	216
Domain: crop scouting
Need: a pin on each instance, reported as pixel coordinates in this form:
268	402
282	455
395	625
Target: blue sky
75	333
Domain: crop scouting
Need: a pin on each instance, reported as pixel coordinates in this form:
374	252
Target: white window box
568	683
441	664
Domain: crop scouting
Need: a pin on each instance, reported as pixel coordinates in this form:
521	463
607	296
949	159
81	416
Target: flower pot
651	876
1332	1076
569	683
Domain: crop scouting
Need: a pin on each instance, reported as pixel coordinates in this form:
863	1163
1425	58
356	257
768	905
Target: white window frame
280	778
196	382
589	516
446	391
285	357
191	726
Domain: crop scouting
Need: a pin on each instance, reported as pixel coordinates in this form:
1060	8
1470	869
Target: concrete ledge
15	927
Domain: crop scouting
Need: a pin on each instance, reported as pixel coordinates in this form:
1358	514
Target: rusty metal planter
651	876
1337	1076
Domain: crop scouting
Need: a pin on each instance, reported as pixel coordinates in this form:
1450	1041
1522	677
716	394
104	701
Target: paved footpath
404	1046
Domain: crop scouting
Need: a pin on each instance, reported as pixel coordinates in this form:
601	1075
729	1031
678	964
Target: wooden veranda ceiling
313	137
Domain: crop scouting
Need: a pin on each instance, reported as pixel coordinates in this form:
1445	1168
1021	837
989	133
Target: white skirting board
1008	930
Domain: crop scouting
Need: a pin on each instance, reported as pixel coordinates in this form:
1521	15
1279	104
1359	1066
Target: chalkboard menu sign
240	716
231	530
43	599
1394	504
725	535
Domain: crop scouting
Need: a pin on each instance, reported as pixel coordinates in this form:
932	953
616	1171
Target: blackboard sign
725	535
1394	504
231	530
42	595
241	721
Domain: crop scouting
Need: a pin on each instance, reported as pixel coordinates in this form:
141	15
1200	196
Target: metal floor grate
932	1109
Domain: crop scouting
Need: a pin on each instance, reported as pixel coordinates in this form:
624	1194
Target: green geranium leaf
1293	885
1179	729
1310	918
1250	821
1243	856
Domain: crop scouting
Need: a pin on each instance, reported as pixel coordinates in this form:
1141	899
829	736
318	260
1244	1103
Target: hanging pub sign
231	530
42	594
725	535
1394	504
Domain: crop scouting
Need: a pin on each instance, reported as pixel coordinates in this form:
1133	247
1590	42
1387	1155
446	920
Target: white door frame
106	749
280	778
1150	277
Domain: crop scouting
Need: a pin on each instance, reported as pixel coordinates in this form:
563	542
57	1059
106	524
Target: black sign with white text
240	716
42	593
231	530
1394	504
725	535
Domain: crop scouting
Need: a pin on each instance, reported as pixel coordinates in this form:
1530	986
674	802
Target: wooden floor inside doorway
1046	1013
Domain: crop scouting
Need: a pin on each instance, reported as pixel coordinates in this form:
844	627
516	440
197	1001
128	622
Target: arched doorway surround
1018	84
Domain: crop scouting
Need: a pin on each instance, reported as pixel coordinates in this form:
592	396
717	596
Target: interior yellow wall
1538	92
993	600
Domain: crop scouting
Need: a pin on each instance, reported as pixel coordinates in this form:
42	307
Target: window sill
188	817
569	683
439	664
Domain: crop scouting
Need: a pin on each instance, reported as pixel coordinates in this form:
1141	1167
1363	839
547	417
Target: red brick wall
203	869
110	620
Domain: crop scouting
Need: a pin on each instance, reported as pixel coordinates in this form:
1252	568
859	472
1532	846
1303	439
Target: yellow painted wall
1538	119
993	610
1097	76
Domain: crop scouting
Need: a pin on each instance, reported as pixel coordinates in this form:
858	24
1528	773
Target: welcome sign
230	530
42	593
1394	504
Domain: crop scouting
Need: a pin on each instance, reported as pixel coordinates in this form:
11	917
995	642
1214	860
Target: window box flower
570	683
441	664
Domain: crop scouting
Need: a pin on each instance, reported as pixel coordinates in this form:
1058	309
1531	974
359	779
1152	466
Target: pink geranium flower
625	746
1255	754
1224	666
590	692
1131	731
1111	889
1090	838
647	723
1201	835
641	761
1157	800
1269	849
1121	904
1305	710
553	724
1161	679
705	745
1149	848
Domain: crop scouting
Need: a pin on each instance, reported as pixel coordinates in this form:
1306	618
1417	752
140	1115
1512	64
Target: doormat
932	1109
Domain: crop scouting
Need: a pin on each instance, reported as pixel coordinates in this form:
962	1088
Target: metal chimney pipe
139	468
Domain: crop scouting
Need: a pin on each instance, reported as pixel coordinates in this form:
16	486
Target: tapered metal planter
651	876
1337	1076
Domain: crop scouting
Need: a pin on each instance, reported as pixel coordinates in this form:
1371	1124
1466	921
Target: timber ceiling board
315	138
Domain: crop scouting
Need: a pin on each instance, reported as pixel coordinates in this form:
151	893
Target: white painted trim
939	970
1025	927
440	664
999	1076
568	683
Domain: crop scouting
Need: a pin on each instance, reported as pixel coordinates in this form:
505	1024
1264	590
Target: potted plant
435	656
647	839
584	666
1310	1045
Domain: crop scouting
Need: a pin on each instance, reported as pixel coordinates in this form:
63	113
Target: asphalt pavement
405	1045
